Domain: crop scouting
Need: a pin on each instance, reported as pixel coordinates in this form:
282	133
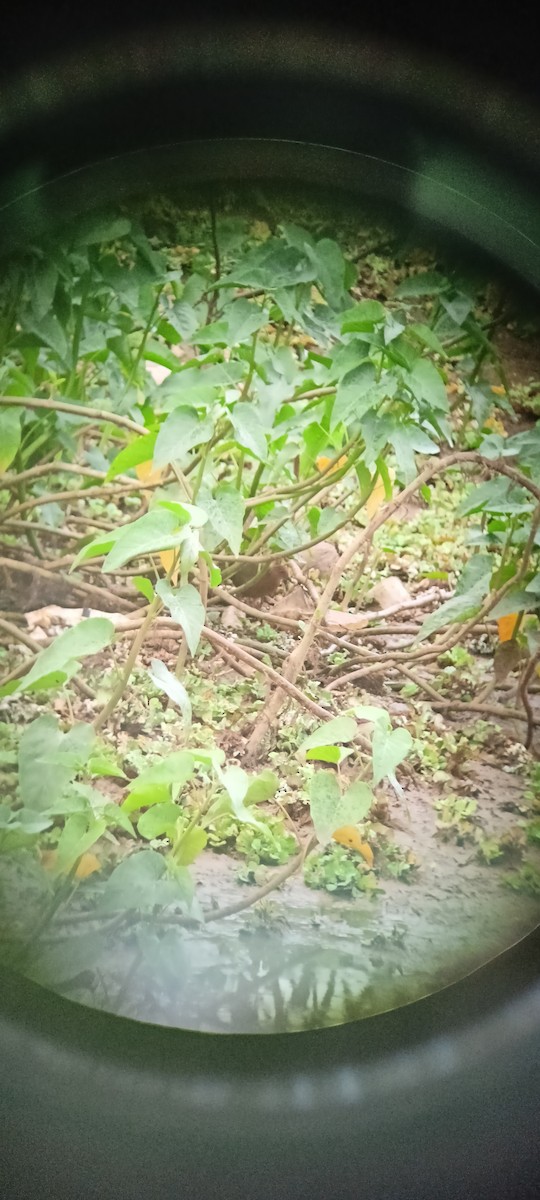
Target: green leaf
236	783
263	787
156	530
426	385
164	679
10	436
407	438
453	612
91	230
516	600
181	431
145	796
271	266
458	307
140	450
248	431
190	846
330	266
427	338
78	836
48	760
175	768
339	729
226	512
158	821
389	748
329	754
89	637
186	607
142	883
143	586
99	765
330	810
428	283
363	317
355	394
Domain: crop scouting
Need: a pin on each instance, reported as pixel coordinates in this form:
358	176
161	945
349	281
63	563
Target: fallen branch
88	589
77	410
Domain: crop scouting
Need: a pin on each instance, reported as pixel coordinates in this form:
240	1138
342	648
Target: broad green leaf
236	783
427	283
373	714
142	882
140	450
427	337
330	266
261	788
10	436
458	307
186	513
164	679
455	611
89	637
175	768
248	430
78	836
90	230
329	754
99	764
186	607
159	821
339	729
48	760
407	439
355	394
516	600
156	530
191	846
363	317
496	496
143	586
389	749
271	266
181	431
226	515
330	810
426	385
145	795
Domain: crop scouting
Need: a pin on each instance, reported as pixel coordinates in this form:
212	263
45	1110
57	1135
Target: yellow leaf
260	230
498	390
506	626
377	497
495	424
145	472
88	864
349	836
324	461
166	558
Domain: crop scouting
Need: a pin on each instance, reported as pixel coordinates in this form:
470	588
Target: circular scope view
269	613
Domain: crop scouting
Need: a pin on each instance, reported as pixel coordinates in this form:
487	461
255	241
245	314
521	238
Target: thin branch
77	410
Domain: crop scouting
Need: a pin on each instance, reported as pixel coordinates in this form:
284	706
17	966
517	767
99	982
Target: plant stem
120	688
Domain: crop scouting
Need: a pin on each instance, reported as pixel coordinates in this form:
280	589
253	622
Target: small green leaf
226	511
190	846
186	607
140	450
156	530
329	754
159	821
339	729
248	431
143	586
175	768
10	436
389	749
164	679
330	810
263	787
427	283
145	795
89	637
363	317
78	836
181	431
